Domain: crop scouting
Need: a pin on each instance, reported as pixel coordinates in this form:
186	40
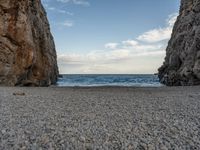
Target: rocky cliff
27	51
182	62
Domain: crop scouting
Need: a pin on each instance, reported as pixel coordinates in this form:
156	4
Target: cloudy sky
111	36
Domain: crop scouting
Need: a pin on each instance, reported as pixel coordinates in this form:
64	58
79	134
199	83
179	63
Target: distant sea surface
83	80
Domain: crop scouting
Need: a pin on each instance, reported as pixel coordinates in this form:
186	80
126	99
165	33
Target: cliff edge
27	50
182	62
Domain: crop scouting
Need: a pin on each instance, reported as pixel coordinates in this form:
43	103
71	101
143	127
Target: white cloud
62	11
45	1
77	2
111	45
67	23
69	13
81	2
141	55
159	34
118	61
51	8
121	60
172	19
129	43
156	35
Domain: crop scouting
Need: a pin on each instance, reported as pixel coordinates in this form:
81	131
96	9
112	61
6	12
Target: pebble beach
110	118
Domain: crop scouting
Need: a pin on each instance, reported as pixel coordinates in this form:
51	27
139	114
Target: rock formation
27	51
182	62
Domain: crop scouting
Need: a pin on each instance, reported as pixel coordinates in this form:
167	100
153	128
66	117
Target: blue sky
111	36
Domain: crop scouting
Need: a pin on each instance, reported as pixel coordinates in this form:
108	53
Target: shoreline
106	86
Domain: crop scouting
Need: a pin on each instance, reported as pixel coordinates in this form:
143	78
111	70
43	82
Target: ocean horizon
93	80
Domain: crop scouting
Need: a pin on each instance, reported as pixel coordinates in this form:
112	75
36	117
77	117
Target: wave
83	80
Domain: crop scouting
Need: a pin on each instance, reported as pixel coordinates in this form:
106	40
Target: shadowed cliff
182	62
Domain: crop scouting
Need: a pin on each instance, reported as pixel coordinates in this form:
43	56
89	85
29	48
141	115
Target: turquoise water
142	80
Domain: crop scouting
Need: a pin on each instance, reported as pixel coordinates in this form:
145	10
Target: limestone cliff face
182	62
27	50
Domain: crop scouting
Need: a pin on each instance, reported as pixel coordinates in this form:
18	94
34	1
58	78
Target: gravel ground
100	118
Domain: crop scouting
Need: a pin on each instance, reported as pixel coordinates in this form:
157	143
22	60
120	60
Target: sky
111	36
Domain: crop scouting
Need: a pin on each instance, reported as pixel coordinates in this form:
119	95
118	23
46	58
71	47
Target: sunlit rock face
182	62
27	50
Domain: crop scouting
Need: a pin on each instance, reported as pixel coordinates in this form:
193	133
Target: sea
91	80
